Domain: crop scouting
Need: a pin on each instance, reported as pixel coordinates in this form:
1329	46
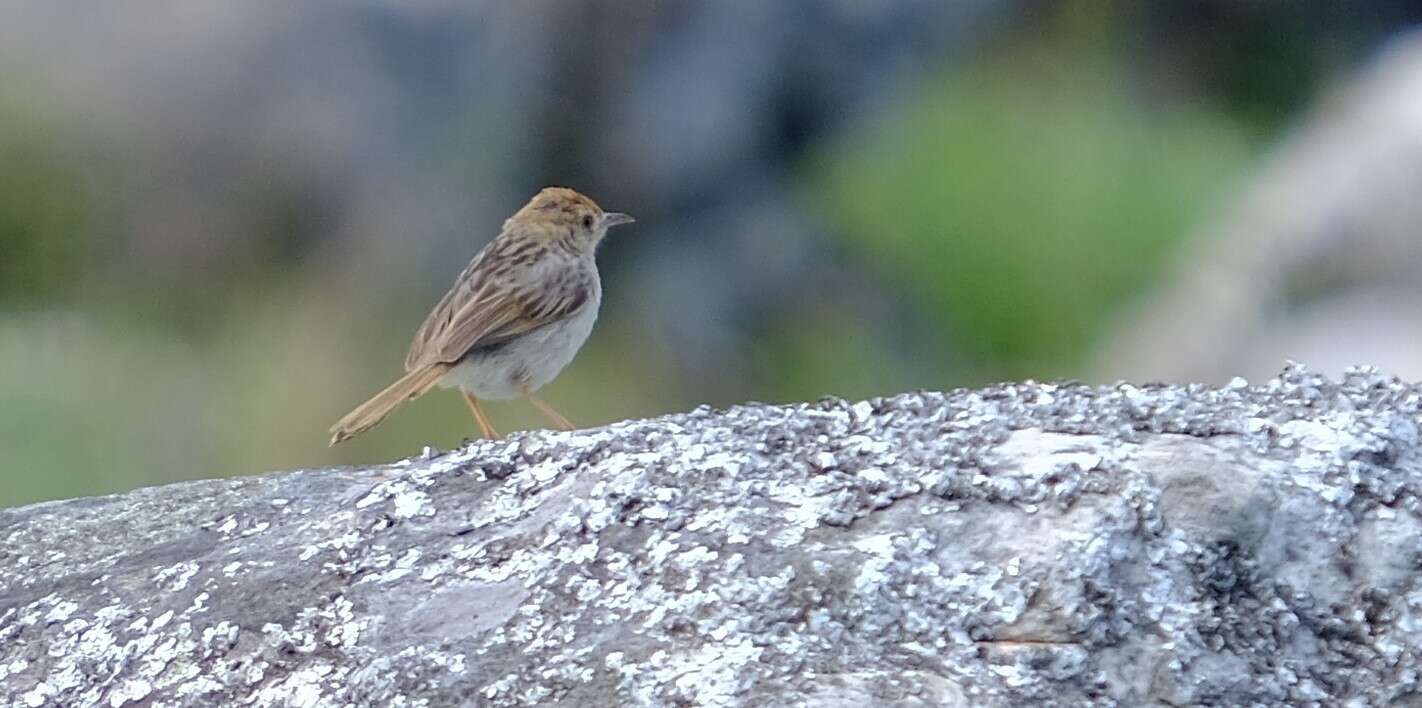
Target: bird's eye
587	221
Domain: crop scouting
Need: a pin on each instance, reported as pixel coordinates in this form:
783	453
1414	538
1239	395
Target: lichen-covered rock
1020	544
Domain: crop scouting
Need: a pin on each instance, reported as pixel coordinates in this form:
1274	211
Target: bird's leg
553	415
484	424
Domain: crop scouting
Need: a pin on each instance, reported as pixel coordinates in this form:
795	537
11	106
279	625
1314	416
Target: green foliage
43	207
1024	207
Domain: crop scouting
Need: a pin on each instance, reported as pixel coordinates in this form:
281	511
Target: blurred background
221	222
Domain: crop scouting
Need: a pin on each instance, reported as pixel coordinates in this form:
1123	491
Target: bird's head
563	216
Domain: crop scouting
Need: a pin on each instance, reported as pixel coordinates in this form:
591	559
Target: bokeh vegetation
1023	202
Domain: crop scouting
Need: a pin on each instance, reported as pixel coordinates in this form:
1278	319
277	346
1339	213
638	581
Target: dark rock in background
1020	544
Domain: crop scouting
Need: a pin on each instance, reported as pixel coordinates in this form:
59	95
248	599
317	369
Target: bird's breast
531	360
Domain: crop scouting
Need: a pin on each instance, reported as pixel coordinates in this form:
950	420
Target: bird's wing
492	301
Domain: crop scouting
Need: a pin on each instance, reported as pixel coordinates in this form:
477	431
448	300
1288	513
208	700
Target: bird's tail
370	413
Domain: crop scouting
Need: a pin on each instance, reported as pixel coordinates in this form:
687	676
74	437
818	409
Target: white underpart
535	358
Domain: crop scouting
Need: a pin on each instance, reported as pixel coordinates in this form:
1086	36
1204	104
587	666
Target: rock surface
1026	544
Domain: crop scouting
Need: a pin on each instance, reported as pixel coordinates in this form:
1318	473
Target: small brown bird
515	317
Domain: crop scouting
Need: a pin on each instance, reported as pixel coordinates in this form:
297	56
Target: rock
1019	544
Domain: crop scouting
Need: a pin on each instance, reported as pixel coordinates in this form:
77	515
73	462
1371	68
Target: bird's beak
613	218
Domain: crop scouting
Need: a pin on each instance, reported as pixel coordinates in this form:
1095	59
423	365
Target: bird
515	316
